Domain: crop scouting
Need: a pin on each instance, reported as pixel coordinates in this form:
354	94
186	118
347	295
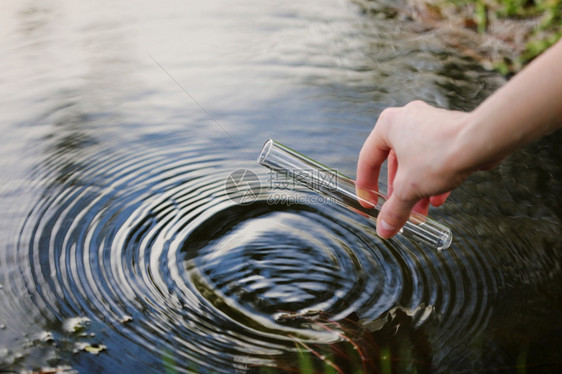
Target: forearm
527	107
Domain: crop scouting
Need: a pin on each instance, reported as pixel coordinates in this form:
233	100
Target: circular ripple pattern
130	245
150	246
272	259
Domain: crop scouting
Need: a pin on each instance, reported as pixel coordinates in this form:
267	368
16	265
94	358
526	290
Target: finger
393	215
422	206
439	199
392	168
373	153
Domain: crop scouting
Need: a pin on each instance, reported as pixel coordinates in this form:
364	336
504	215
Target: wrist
463	154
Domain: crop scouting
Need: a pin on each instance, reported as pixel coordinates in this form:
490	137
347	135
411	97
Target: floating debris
94	349
43	337
76	325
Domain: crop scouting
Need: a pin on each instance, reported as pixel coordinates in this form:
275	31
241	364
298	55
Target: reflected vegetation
122	250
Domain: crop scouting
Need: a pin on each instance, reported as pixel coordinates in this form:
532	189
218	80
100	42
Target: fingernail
368	200
384	229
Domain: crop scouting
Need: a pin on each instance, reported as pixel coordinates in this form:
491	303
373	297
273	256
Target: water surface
122	251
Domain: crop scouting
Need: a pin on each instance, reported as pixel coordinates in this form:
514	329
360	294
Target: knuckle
402	195
405	192
416	104
387	115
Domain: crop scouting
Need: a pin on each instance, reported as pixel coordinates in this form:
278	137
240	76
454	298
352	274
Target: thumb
393	215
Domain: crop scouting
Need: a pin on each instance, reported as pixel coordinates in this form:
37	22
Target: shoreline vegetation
502	35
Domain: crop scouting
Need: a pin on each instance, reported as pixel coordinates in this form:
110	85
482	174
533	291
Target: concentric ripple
152	247
124	248
273	259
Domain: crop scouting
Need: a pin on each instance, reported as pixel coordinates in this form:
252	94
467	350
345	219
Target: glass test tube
342	190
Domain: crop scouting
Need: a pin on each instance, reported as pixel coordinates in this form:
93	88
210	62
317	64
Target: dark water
122	252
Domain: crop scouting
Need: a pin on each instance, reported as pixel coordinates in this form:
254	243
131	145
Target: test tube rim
266	149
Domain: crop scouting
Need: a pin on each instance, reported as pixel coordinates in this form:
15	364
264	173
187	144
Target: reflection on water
121	249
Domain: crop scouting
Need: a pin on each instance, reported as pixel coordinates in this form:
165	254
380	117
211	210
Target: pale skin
431	151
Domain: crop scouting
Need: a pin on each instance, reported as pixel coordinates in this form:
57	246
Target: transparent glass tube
342	190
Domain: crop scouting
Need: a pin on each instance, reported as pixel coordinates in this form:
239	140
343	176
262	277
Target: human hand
430	151
418	141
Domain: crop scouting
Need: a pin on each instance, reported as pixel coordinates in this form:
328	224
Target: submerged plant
389	344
